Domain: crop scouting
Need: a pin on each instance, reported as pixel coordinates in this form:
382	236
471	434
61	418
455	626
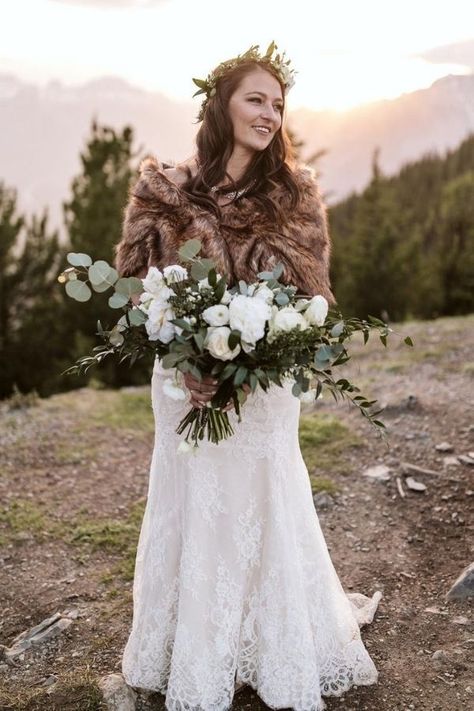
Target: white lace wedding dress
233	576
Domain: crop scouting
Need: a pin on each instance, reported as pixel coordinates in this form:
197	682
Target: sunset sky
346	52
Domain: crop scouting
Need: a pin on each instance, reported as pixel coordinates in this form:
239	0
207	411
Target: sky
345	52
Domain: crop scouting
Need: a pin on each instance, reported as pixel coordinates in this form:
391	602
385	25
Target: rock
444	447
45	630
450	462
466	458
463	587
380	472
440	658
323	500
410	402
414	485
117	695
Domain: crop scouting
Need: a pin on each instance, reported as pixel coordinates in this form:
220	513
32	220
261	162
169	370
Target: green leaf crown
279	64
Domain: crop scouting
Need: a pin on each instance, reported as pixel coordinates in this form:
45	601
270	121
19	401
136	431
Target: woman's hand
203	391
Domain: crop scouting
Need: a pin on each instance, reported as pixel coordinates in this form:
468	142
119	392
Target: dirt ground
73	480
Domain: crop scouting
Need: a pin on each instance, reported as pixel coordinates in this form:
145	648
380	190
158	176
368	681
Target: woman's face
257	102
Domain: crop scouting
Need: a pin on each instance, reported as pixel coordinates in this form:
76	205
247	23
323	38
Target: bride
233	583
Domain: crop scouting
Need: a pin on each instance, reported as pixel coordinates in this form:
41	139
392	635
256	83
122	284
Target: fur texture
159	218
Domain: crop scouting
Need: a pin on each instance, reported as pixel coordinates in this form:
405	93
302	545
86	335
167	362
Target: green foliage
404	247
33	347
93	218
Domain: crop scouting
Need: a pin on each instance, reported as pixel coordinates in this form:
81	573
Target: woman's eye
279	107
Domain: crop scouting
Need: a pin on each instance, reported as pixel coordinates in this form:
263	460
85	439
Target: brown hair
215	141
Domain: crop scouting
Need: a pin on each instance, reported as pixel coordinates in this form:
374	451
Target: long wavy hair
215	142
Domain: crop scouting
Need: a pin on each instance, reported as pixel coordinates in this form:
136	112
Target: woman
233	581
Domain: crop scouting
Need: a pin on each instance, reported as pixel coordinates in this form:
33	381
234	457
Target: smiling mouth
262	130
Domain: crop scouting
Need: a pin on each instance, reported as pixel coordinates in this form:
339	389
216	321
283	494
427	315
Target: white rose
158	324
249	315
263	292
172	389
217	315
317	310
174	272
217	344
285	319
153	281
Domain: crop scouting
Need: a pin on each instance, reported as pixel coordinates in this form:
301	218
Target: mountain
43	129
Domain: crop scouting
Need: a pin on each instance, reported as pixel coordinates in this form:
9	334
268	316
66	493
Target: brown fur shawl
159	217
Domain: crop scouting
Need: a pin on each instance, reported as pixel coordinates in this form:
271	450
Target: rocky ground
73	477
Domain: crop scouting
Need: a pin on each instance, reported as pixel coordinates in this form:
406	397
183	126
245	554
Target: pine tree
93	219
34	344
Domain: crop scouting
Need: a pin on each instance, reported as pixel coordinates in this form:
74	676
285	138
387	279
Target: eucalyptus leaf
101	271
296	389
78	290
128	286
278	270
78	259
136	317
337	329
240	375
99	288
190	249
265	275
115	337
281	298
116	301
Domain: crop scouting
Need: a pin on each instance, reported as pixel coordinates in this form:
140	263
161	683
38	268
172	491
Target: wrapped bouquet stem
254	334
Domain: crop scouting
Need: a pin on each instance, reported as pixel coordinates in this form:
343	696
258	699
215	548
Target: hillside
73	479
44	130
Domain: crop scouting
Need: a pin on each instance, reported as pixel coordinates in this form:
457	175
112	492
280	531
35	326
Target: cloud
112	4
456	53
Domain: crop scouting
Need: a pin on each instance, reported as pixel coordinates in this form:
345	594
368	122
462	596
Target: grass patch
125	411
25	517
325	442
468	369
115	536
321	483
77	690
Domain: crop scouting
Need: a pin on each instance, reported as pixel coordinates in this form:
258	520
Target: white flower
249	315
172	389
226	297
285	319
217	343
174	272
309	395
186	448
158	324
265	293
204	283
217	315
153	281
317	310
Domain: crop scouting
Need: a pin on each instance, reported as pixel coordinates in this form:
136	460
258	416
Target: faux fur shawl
159	217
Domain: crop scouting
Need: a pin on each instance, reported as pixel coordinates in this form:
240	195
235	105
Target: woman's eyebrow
262	94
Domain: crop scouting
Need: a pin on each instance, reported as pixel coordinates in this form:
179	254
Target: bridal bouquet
255	334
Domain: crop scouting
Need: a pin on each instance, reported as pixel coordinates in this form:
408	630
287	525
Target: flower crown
278	63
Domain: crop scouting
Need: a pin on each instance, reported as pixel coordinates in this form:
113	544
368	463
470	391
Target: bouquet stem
200	420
